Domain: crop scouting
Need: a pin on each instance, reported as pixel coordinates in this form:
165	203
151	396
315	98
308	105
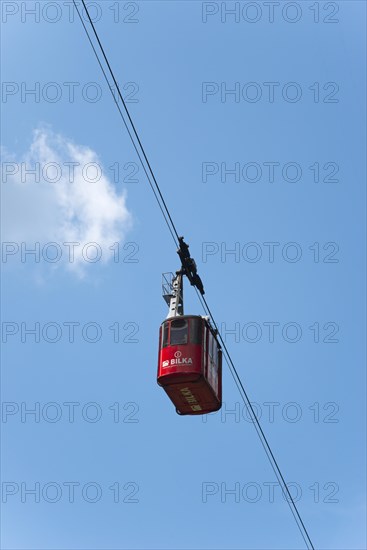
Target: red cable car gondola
190	357
190	364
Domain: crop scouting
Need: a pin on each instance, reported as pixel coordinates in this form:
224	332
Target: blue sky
101	421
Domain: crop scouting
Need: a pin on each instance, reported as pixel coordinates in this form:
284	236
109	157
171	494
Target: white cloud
70	199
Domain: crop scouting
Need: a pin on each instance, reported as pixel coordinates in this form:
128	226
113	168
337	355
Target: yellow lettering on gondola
191	399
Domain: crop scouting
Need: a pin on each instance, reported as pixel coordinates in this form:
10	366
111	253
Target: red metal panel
193	397
180	359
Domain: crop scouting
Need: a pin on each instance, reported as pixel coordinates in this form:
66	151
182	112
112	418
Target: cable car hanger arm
173	285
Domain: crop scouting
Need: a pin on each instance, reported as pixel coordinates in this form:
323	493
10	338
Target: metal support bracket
172	285
172	290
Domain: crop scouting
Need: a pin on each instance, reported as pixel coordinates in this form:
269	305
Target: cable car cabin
190	364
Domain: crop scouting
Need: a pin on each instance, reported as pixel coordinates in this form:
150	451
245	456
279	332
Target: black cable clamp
189	267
